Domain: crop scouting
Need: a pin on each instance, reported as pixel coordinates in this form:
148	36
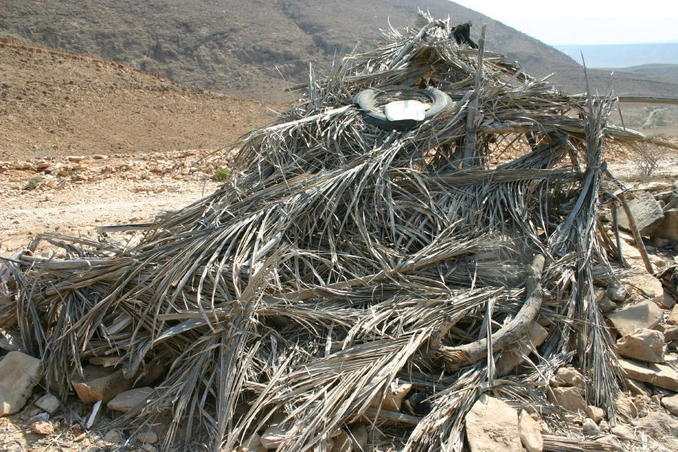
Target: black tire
367	101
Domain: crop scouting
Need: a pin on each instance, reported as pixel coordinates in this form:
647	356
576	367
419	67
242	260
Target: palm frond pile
342	260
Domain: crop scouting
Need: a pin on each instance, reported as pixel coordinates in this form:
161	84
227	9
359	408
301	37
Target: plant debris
341	261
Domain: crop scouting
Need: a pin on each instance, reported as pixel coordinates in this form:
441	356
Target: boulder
642	344
629	318
667	228
569	398
100	383
127	400
19	373
530	433
492	426
48	402
671	404
646	211
660	375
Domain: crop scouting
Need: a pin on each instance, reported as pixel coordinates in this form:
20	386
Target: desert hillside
60	103
258	50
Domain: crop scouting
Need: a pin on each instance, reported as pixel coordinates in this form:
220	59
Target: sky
586	21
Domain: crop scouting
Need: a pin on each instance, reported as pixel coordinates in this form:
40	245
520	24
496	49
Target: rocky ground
75	194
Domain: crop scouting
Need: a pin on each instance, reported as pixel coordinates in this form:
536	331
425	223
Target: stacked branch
342	258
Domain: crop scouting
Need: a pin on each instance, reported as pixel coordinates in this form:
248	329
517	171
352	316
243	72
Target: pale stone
595	413
44	428
590	428
530	433
667	227
658	424
629	318
645	283
670	332
646	213
665	301
48	402
623	432
660	375
617	292
393	399
100	383
19	373
147	436
127	400
568	376
492	426
625	407
569	398
642	344
671	404
114	436
673	317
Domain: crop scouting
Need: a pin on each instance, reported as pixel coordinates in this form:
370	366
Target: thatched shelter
343	259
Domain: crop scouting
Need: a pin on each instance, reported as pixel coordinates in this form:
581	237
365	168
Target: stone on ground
100	383
642	344
492	426
530	433
646	211
147	436
273	437
19	373
127	400
671	404
668	226
48	402
658	425
629	318
625	407
44	428
617	292
656	374
642	281
114	436
568	376
666	301
569	398
673	317
590	428
595	413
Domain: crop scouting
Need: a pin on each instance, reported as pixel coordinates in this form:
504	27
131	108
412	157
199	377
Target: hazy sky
586	21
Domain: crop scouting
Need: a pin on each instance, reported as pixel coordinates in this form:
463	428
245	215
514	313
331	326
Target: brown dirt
55	103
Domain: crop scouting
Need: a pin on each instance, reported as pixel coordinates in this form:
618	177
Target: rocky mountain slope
256	48
60	103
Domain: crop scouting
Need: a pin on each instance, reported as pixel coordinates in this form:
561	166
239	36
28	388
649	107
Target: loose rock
44	428
100	383
127	400
530	433
645	283
671	404
660	375
668	226
646	212
273	436
673	317
569	398
625	407
48	402
19	373
623	432
147	436
114	436
590	428
629	318
642	344
568	376
510	359
665	301
595	413
617	292
492	426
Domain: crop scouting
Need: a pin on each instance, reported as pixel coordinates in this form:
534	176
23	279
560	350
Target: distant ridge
623	55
